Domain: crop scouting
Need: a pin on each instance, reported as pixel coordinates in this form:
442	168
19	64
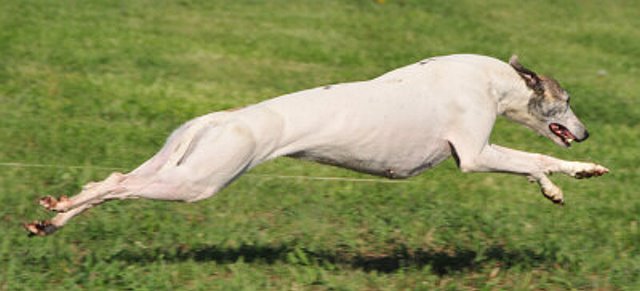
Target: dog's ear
530	78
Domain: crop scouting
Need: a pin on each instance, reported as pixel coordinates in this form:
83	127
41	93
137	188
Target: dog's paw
40	228
53	204
590	170
554	194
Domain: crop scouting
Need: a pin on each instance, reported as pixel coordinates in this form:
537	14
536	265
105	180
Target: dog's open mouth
563	133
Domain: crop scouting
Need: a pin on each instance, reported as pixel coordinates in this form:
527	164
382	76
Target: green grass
100	83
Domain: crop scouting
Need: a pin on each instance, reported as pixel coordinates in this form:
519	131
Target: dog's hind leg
193	165
90	191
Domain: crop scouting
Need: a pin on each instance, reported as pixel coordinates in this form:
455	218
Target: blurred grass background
102	84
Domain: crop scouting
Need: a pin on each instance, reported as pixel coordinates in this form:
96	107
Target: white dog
396	126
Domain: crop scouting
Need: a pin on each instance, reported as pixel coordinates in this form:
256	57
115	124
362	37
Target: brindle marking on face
549	99
552	101
552	89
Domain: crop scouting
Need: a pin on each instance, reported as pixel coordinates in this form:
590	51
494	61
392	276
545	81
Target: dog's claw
40	228
554	194
596	171
558	201
48	202
52	204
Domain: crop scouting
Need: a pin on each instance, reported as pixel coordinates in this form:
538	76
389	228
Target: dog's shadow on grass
440	262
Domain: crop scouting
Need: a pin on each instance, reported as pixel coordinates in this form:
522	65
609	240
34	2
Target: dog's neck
512	96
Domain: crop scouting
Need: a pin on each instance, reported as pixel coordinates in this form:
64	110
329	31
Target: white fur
396	125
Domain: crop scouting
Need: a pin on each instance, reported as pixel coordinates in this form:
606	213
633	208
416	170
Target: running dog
396	126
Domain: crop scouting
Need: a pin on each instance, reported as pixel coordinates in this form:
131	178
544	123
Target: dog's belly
393	160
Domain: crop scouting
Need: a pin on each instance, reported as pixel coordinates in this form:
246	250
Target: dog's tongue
561	131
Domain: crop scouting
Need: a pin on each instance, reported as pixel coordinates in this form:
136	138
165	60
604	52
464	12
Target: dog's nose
584	137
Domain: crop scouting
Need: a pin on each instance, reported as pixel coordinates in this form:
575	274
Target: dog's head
548	111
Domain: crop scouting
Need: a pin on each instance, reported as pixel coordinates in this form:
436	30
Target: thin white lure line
269	176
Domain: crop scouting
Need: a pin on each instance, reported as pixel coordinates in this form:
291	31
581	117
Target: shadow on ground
440	262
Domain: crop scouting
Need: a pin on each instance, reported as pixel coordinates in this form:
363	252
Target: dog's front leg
574	169
493	158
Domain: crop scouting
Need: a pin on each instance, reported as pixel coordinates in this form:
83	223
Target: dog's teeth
569	140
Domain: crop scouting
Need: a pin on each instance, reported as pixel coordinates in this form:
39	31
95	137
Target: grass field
99	84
